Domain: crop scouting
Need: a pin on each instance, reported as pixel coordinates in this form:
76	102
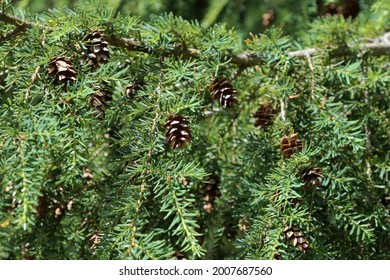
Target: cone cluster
178	133
97	52
311	176
264	115
289	143
99	100
62	70
210	193
224	92
294	235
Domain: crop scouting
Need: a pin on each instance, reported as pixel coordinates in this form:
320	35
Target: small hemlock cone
210	193
224	92
288	144
61	68
97	49
264	115
268	17
99	100
178	133
311	177
132	89
294	235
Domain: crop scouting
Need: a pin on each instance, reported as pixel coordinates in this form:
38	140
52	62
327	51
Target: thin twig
311	73
366	127
33	79
282	110
148	166
43	40
20	22
130	44
12	33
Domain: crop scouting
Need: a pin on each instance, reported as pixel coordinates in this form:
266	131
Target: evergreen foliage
88	169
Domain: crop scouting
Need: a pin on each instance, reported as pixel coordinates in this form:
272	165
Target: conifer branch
143	186
19	22
12	33
76	188
20	26
379	47
130	44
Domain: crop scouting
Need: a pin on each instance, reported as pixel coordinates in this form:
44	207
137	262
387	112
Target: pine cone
210	193
131	90
178	132
99	100
288	144
97	49
61	68
311	176
264	115
268	18
224	91
297	240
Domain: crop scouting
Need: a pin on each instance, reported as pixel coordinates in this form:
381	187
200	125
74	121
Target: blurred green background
244	15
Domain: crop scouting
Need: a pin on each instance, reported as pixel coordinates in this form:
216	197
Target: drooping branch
379	47
18	21
20	26
127	43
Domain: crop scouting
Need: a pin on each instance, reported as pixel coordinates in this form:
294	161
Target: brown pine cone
97	49
294	235
311	177
61	68
99	100
224	92
288	144
264	115
178	133
210	193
